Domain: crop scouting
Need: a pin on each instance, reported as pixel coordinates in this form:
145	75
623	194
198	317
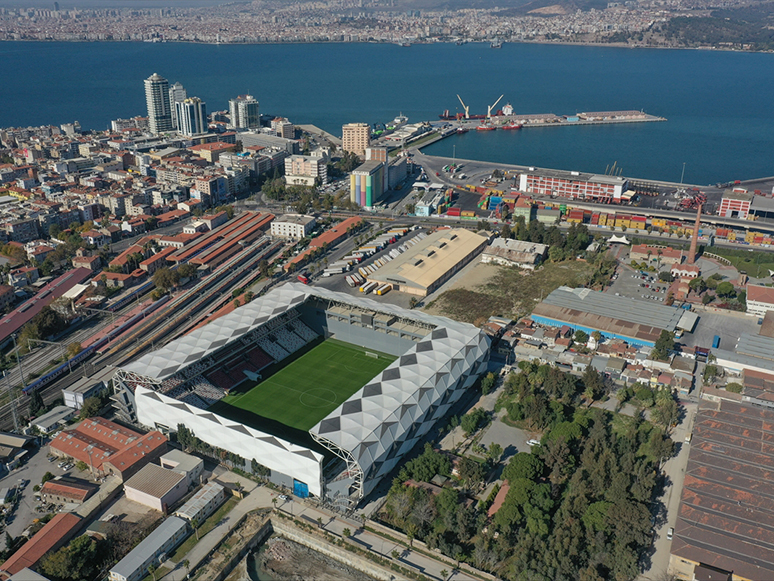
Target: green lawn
308	388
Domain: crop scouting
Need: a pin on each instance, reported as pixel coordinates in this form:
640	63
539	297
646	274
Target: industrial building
190	466
370	432
751	353
725	522
634	321
431	262
54	535
293	226
736	204
162	540
108	447
760	299
366	185
86	387
519	253
655	254
573	185
156	487
203	503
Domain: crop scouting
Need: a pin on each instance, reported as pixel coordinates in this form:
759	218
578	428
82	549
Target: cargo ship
447	116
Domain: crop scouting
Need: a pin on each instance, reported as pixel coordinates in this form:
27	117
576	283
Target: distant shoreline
278	43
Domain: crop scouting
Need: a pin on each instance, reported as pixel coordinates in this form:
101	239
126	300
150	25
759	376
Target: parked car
670	533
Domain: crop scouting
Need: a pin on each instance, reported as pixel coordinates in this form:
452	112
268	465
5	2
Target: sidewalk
257	497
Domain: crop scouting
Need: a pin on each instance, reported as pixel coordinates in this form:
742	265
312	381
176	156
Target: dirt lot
490	290
285	560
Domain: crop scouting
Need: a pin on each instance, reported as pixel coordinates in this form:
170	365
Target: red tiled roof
761	294
48	539
66	490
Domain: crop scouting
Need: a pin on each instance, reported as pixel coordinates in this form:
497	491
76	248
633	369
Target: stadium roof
726	515
625	316
184	351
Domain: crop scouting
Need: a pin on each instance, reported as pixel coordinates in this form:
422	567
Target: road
674	472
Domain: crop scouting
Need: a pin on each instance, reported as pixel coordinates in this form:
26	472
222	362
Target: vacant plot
507	292
309	388
755	263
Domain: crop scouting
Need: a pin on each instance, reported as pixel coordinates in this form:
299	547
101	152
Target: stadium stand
273	349
289	340
303	331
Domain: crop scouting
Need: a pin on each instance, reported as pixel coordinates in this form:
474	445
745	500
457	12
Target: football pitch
307	389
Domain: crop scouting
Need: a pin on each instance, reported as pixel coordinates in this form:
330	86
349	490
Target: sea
718	104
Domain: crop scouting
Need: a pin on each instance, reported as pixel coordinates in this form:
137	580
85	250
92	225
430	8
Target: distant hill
509	7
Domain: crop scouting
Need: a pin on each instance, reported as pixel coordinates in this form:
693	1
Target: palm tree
186	563
319	521
274	501
346	533
152	571
195	525
444	573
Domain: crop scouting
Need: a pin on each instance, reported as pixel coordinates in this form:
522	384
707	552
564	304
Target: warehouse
634	321
156	487
166	537
724	523
431	262
751	353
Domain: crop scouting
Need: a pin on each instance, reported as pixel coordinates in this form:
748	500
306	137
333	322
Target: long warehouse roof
756	346
726	515
428	260
627	310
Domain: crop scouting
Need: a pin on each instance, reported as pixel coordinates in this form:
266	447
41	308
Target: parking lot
647	287
728	326
31	472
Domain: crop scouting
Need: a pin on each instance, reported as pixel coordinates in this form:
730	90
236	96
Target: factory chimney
695	237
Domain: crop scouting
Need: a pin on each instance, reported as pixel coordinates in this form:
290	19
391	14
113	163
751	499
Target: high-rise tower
157	99
244	112
355	138
177	93
191	116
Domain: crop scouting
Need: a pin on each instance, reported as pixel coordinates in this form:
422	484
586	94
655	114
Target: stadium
326	390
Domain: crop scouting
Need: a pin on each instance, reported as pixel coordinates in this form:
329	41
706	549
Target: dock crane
489	109
465	107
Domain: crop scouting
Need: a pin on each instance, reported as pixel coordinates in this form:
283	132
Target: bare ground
285	560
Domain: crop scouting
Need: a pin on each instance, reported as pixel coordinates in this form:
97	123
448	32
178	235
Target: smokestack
695	237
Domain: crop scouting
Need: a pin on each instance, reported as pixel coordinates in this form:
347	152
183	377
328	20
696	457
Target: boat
512	125
461	130
496	44
485	127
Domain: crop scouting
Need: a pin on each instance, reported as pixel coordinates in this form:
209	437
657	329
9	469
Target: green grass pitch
307	389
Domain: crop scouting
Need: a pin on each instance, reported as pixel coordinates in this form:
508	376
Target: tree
82	466
665	276
581	337
734	387
195	525
707	299
152	571
186	564
487	382
36	402
165	278
46	477
73	349
725	289
597	336
91	407
319	522
494	452
413	302
472	420
664	344
346	533
395	554
698	285
76	561
444	573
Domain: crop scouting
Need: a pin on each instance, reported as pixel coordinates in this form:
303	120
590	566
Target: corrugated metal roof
148	547
726	515
154	480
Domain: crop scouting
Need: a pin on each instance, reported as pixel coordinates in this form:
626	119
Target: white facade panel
155	409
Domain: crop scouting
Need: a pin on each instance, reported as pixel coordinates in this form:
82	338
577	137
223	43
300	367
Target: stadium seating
290	341
303	331
221	379
207	392
273	349
192	399
259	358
